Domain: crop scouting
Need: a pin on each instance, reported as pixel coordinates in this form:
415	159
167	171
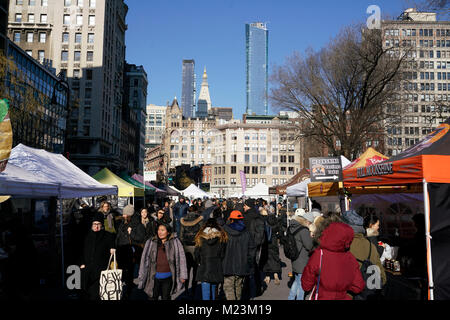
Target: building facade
155	125
188	89
136	84
86	41
204	99
425	93
257	67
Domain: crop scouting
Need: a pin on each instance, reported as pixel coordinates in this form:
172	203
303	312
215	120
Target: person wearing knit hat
128	210
361	247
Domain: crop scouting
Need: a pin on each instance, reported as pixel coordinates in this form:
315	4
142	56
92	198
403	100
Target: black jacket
190	225
137	235
240	251
96	253
255	225
209	257
270	253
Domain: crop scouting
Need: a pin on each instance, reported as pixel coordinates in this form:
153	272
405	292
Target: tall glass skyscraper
188	89
257	45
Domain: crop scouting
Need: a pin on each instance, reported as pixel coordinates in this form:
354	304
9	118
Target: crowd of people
230	249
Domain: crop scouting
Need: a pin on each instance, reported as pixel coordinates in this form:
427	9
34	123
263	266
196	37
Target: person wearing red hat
239	253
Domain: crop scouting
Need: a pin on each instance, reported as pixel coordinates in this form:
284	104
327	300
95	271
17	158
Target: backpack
367	293
290	245
189	234
257	229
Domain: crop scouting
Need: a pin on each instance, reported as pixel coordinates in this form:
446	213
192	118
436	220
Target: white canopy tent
72	181
299	189
194	192
17	182
260	190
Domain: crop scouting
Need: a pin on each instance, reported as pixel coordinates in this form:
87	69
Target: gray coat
177	263
304	242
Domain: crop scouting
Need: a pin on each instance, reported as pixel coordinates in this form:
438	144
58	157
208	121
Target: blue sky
161	33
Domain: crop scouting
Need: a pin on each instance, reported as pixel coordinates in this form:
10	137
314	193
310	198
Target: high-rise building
4	7
204	100
136	83
188	89
257	63
424	97
86	41
155	125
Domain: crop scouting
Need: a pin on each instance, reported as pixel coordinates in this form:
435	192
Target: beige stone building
85	39
265	148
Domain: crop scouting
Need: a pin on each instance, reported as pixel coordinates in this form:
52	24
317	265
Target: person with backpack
179	211
367	256
255	225
332	271
210	245
297	247
190	226
239	256
270	253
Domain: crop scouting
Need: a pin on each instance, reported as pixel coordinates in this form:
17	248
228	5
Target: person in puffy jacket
338	268
239	255
210	245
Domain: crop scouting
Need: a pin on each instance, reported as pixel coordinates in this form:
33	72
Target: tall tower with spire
204	99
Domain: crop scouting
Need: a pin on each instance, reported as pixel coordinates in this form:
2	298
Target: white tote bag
111	282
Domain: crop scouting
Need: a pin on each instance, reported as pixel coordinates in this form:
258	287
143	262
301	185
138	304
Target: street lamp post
60	86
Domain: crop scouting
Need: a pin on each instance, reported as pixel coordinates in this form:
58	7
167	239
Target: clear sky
161	33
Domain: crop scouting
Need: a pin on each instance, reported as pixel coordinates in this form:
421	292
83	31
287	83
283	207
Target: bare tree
345	91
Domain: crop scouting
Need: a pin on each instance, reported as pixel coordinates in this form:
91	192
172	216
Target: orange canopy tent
427	164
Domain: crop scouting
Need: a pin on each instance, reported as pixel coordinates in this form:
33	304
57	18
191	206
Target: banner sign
149	176
6	135
375	170
243	181
325	169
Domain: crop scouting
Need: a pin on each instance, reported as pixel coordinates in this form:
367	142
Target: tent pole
428	239
62	240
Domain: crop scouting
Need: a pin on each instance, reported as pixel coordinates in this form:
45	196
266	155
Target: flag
243	181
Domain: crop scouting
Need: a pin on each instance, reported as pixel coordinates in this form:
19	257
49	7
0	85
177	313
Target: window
31	18
92	20
18	17
64	55
43	18
92	3
90	38
31	2
80	3
65	37
44	3
246	170
29	52
42	37
274	170
66	19
262	170
16	36
89	74
233	169
79	20
77	56
77	37
254	170
291	159
76	73
41	55
88	95
247	158
30	37
19	2
67	3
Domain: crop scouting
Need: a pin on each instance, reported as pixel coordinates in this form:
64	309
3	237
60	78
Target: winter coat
190	224
96	254
110	223
299	227
372	236
240	250
180	210
270	252
208	212
255	225
360	249
177	262
137	235
340	271
209	256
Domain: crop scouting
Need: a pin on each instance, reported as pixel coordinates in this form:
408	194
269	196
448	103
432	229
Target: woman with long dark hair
163	265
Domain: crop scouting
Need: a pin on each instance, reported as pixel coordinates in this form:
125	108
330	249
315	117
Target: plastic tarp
194	192
72	181
140	179
125	189
258	190
137	184
17	182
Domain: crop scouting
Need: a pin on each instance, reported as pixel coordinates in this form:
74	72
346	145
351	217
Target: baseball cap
236	214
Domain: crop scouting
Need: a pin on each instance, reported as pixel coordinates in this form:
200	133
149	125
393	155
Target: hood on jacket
191	219
337	237
210	235
297	222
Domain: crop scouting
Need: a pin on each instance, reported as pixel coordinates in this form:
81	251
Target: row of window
78	37
431	86
31	18
30	37
413	32
79	20
67	3
77	55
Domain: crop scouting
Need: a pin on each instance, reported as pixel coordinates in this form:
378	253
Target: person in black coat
270	252
98	246
210	244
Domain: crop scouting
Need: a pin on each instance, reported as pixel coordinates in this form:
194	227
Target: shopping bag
111	285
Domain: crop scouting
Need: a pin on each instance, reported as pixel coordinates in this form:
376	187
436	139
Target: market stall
193	192
426	164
